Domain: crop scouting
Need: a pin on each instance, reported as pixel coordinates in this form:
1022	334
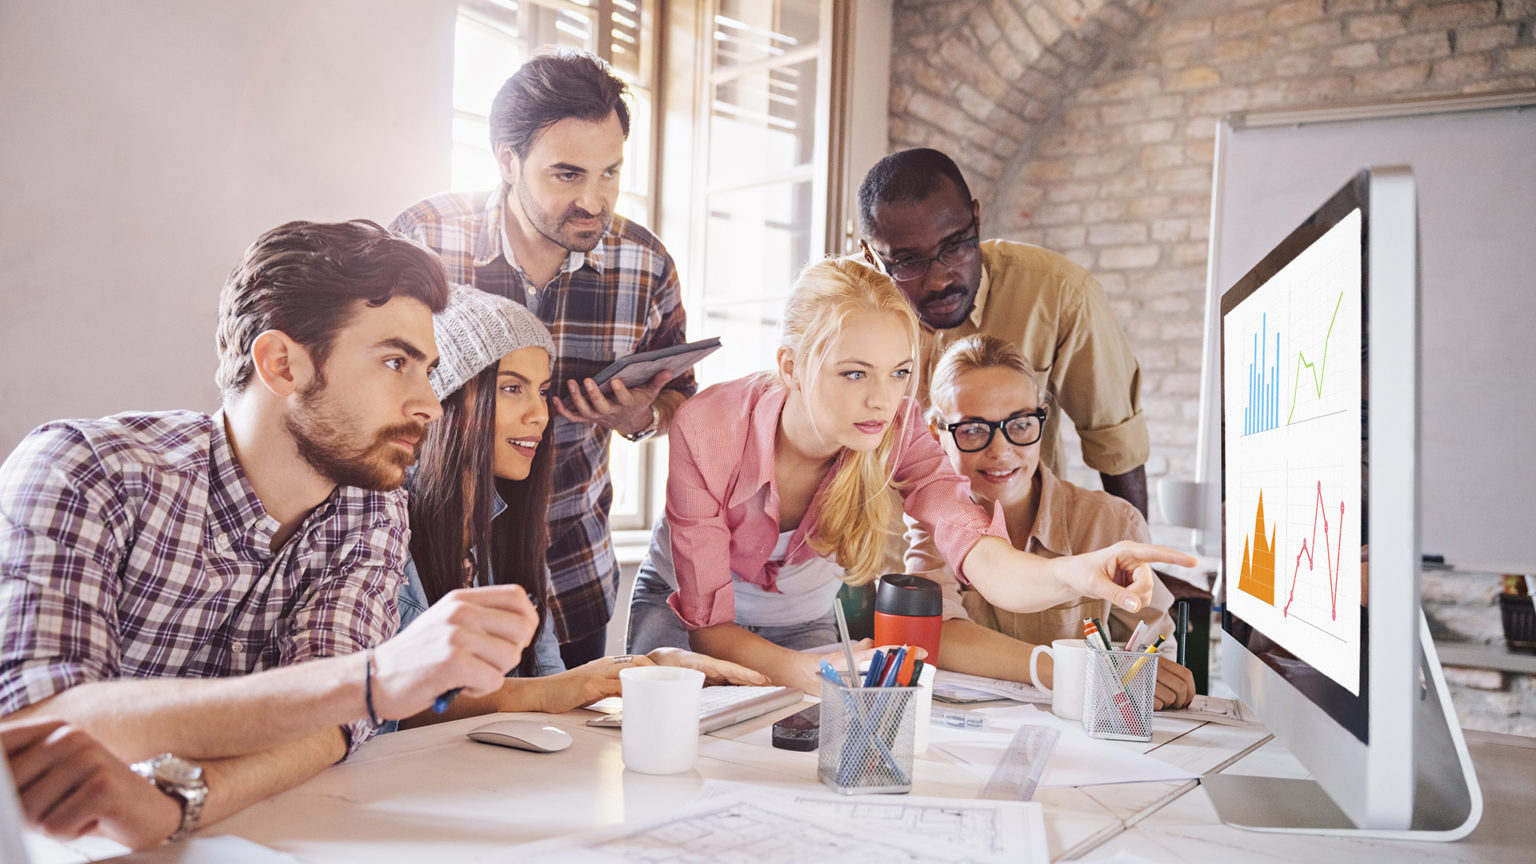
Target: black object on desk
799	731
1192	624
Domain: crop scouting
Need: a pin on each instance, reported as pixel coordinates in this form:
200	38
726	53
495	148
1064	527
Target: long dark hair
452	489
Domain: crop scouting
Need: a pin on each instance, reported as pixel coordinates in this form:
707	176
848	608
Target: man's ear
786	360
976	213
282	365
508	163
933	429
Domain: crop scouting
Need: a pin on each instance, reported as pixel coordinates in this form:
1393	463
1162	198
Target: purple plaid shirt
134	547
619	299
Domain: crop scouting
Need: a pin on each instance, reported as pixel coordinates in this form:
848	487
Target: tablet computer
636	369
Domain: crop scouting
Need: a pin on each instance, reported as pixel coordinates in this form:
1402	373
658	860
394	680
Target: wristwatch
647	432
181	780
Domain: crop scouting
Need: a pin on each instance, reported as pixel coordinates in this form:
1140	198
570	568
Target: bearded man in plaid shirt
214	587
606	288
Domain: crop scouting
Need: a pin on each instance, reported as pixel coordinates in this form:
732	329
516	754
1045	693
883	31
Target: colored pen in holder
867	737
1118	704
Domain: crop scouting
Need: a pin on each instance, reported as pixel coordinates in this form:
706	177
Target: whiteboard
1474	162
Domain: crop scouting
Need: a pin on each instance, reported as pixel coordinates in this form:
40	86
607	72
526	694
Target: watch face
178	771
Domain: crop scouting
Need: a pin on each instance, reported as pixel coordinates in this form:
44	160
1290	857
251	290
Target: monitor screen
1333	653
1293	450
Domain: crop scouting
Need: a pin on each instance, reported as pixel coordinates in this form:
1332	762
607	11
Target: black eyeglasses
973	436
952	254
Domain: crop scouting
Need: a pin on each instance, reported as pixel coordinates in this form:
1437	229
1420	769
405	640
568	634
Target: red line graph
1331	556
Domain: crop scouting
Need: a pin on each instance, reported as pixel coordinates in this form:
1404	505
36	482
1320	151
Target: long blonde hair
972	353
857	508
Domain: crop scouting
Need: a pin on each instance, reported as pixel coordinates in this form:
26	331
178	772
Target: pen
876	667
441	703
1136	667
1121	698
848	767
830	674
893	667
1130	644
842	635
445	700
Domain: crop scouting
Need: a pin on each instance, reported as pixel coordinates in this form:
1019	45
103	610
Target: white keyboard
723	706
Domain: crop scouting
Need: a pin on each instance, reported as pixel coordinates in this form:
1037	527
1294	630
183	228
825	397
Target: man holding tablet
606	288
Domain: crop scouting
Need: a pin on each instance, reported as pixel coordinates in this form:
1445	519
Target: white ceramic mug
924	709
1069	658
661	718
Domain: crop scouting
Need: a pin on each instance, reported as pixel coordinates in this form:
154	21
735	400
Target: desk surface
1187	829
432	794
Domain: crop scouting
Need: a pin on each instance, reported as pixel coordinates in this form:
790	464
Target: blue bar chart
1262	411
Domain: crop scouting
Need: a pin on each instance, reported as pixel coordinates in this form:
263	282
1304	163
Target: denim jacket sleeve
412	600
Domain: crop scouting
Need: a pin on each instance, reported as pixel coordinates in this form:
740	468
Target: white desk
431	794
1187	829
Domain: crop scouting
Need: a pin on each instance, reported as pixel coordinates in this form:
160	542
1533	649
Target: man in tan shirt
915	212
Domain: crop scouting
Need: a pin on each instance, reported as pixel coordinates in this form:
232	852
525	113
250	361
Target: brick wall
1087	126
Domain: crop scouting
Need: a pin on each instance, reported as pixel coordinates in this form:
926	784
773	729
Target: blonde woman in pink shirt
777	493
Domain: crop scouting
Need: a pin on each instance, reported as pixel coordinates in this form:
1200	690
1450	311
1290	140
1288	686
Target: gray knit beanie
478	329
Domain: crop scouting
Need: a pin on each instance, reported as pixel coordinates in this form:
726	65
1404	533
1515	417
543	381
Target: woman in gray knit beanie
488	456
479	501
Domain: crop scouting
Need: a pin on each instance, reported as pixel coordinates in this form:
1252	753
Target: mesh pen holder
867	738
1117	701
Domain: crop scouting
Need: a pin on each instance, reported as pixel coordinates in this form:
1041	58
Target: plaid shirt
134	547
618	299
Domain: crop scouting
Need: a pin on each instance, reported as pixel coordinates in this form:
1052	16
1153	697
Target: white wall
146	144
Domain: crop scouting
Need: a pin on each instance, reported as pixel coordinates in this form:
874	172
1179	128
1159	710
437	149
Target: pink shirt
723	502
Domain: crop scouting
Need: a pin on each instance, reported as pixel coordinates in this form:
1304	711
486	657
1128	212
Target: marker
1091	635
1102	633
1136	667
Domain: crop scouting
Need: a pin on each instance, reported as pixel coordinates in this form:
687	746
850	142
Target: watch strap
192	791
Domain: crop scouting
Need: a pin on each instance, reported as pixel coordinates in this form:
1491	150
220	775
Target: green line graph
1322	366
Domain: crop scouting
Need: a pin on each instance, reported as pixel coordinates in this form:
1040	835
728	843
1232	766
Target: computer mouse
523	735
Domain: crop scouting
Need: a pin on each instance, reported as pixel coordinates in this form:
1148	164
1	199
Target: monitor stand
1447	801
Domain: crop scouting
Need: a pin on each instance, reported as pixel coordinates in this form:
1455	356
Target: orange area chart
1257	576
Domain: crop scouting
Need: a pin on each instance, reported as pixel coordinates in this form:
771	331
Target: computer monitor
1319	437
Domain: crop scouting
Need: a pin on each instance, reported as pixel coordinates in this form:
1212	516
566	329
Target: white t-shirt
805	591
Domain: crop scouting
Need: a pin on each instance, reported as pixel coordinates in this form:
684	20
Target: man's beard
555	230
323	442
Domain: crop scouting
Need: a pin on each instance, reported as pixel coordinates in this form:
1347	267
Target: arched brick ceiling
979	79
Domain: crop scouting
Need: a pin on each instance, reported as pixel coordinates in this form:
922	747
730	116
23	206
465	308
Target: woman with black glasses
988	415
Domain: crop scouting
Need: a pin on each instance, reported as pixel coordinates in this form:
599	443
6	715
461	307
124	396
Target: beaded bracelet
373	716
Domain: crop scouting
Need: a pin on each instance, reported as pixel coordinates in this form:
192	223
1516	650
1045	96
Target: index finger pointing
1147	553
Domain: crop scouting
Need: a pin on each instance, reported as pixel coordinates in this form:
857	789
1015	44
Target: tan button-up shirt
1056	313
1071	520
